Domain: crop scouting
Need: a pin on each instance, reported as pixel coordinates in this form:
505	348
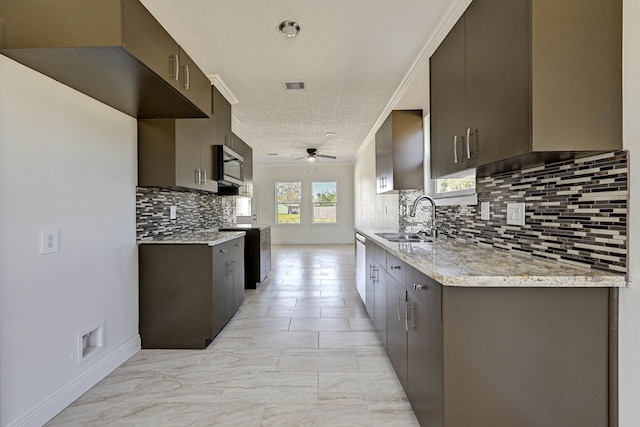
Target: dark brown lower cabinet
380	302
424	347
257	254
188	292
397	327
487	357
525	356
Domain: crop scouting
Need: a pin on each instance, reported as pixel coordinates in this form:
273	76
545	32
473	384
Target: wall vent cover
294	85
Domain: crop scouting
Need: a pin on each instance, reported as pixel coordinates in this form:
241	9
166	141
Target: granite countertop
244	227
457	263
206	237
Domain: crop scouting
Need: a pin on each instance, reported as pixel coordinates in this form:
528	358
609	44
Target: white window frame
313	204
277	203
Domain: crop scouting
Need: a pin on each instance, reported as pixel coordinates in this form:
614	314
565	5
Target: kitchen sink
405	237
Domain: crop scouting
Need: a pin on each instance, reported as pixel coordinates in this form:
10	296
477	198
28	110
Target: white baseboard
54	403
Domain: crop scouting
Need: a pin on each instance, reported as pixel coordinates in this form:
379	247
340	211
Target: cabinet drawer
396	267
229	247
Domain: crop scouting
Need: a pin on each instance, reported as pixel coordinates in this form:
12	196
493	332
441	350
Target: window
457	185
325	202
288	199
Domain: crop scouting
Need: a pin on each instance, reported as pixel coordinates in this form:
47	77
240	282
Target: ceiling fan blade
326	156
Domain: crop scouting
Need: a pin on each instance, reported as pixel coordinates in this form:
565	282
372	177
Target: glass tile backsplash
576	212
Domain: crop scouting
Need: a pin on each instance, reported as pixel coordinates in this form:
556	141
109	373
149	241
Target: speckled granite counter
455	263
210	238
240	227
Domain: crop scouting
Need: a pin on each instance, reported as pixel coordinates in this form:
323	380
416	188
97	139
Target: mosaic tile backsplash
195	211
576	212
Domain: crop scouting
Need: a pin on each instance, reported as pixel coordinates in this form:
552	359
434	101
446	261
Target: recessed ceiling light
289	28
330	134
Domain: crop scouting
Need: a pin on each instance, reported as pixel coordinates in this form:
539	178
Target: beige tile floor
299	352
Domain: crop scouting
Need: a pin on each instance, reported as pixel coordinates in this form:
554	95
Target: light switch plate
49	240
515	213
485	213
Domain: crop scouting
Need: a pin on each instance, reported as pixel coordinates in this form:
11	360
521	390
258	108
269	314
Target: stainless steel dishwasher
361	266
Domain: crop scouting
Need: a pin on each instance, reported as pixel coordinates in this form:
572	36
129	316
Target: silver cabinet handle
238	244
185	77
204	175
396	267
455	148
398	307
375	277
371	271
174	66
419	287
406	318
468	143
224	251
197	176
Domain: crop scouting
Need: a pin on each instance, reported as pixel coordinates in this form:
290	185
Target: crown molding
216	80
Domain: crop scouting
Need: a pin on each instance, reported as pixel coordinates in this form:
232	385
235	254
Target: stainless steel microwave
228	166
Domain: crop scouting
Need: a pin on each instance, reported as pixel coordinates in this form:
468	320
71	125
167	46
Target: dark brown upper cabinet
176	153
517	83
400	152
111	50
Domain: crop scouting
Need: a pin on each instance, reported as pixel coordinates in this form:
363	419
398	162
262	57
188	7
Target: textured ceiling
352	55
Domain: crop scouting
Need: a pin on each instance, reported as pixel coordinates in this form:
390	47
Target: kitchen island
257	252
486	337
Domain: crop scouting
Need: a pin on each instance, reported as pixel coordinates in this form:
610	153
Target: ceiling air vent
293	85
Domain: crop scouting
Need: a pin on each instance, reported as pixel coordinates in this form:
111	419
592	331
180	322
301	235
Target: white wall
265	177
66	162
629	333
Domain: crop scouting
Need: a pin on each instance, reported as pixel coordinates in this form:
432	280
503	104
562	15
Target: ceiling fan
312	155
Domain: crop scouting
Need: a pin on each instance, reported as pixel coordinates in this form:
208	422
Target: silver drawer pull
395	267
224	251
419	287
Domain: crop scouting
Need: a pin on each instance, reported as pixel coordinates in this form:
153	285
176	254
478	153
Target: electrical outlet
515	213
49	238
173	212
485	213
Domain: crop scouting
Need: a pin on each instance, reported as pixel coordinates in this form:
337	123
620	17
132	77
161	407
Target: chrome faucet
412	212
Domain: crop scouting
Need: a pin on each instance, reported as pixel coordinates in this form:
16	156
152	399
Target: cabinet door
424	347
498	51
238	273
397	328
145	38
188	172
380	303
447	91
194	84
221	288
207	142
370	292
384	156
